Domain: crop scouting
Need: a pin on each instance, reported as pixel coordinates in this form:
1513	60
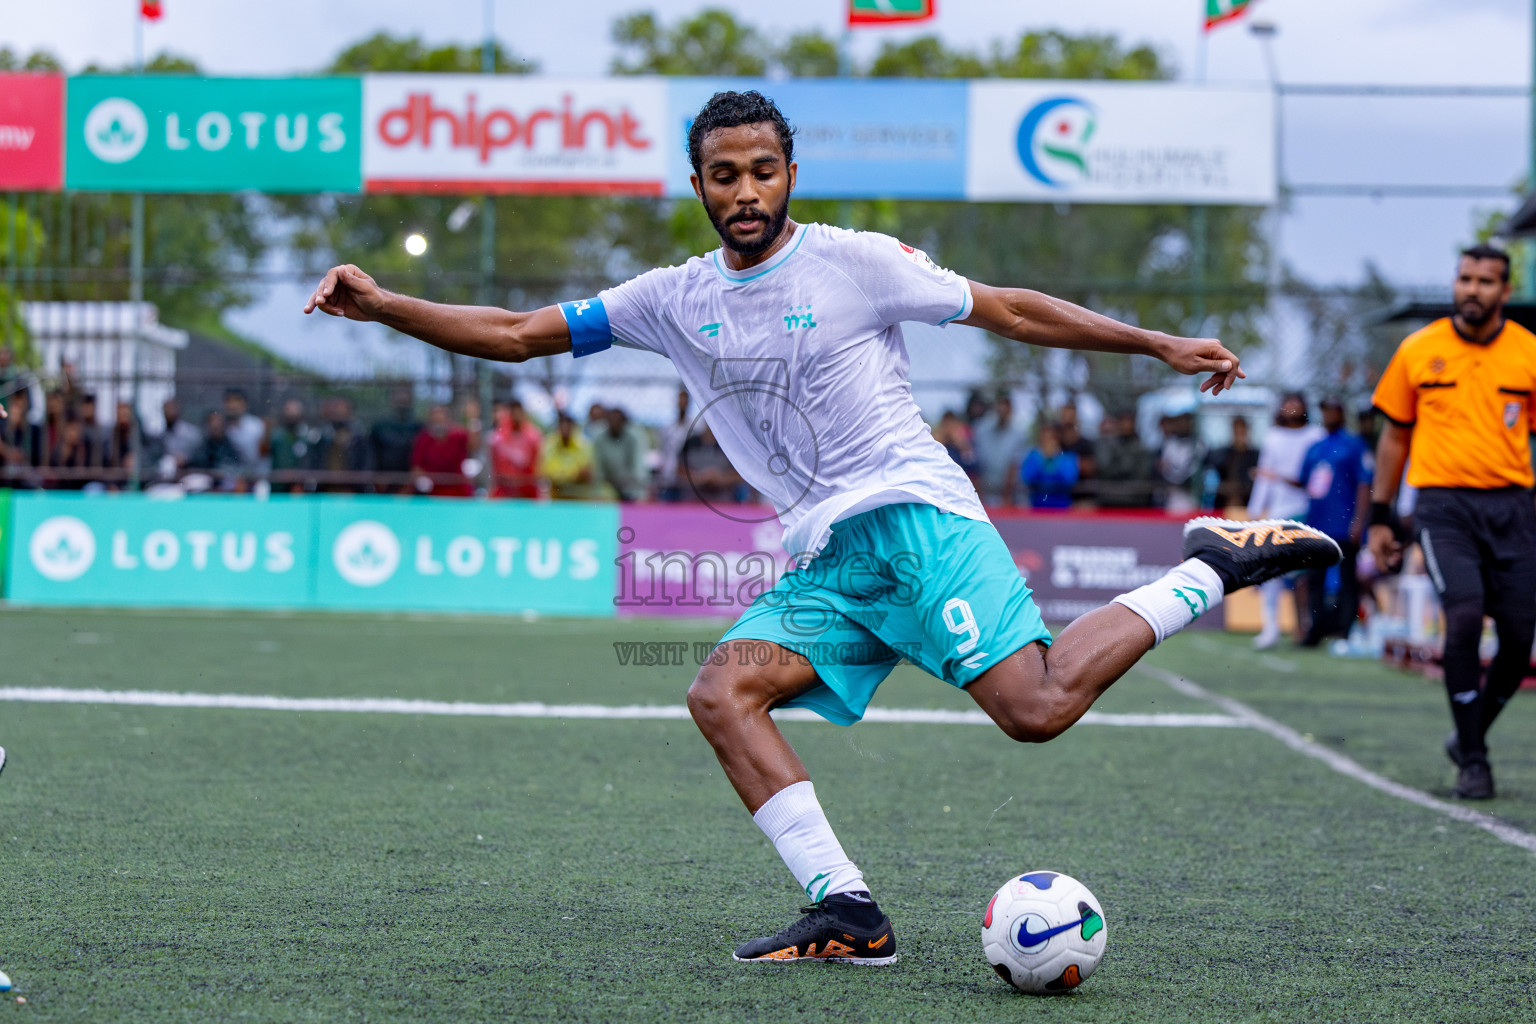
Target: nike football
1043	933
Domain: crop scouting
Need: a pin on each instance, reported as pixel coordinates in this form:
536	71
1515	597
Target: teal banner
170	133
5	536
443	555
380	554
130	550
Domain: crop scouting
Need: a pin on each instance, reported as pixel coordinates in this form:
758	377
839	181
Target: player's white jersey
801	369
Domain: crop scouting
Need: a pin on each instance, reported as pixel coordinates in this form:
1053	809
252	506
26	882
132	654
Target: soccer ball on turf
1043	933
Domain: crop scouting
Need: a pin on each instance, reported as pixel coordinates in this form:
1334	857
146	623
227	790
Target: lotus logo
1053	140
62	548
115	130
366	553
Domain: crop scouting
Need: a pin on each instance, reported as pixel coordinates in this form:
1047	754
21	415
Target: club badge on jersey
588	323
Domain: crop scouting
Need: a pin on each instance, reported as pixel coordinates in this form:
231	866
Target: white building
119	350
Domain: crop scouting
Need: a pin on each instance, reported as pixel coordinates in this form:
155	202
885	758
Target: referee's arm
1391	456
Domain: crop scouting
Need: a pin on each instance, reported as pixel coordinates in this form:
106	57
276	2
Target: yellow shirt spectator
566	462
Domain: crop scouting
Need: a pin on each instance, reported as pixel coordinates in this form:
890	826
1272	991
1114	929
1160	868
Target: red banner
31	132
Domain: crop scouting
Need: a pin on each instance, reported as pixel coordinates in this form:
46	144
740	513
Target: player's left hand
1205	355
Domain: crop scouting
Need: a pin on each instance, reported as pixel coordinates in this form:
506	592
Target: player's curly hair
729	109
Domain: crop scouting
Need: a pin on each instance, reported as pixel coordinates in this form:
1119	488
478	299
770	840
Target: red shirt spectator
515	447
439	452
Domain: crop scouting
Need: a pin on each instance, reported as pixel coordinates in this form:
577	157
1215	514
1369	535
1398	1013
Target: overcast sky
1413	241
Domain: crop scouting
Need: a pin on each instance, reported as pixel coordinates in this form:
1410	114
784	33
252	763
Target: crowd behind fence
239	432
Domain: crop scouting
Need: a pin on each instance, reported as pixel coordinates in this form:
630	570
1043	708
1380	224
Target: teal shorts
899	581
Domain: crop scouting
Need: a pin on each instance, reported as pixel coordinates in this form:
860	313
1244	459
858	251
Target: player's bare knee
719	695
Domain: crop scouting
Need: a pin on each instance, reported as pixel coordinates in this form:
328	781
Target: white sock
1178	598
793	821
1269	604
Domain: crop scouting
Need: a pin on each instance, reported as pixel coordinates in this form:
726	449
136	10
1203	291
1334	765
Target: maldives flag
1219	11
150	10
890	12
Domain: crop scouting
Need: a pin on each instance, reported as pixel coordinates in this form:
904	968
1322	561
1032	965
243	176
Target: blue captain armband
588	322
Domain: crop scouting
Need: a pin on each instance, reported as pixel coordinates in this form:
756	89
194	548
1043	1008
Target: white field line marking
1343	765
532	709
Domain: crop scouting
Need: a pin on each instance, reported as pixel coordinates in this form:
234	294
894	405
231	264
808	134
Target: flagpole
136	270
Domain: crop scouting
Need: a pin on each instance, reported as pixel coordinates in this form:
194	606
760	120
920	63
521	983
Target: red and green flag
1218	12
888	12
150	10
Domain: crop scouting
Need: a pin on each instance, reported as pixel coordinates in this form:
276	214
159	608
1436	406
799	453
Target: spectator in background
437	459
1000	442
290	442
1234	467
77	452
1368	428
976	408
1072	440
119	449
245	431
471	417
711	477
1125	465
392	439
597	420
341	448
673	436
177	443
1336	474
565	464
1181	462
21	442
956	438
91	435
1276	495
515	446
1049	471
618	456
217	455
55	414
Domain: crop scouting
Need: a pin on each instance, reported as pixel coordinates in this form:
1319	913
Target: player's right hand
1385	547
347	291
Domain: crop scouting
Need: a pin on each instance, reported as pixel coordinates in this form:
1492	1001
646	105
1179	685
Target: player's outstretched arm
1038	319
484	332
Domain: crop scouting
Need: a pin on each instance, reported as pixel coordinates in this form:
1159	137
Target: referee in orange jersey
1458	399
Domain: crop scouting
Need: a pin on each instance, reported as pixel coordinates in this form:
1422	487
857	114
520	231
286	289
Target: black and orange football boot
842	929
1246	553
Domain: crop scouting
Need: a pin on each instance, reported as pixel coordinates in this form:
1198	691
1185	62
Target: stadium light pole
1265	32
487	262
136	278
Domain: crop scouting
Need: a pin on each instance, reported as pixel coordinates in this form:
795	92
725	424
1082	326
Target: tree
384	52
39	60
711	42
20	237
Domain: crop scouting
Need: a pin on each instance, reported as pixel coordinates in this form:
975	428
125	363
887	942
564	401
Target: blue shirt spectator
1049	472
1333	472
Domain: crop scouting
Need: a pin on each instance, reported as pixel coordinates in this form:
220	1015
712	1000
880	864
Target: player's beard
775	227
1475	314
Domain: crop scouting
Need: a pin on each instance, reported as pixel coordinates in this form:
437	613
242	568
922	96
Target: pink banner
694	560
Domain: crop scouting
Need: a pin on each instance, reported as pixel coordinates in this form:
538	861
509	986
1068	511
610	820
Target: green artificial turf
197	865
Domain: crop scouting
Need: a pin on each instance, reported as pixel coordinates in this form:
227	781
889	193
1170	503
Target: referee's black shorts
1480	547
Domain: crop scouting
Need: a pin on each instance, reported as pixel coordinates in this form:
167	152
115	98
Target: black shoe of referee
1246	553
1474	781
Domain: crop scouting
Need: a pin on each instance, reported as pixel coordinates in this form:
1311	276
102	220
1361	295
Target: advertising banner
170	133
471	556
1120	142
514	133
692	560
131	550
854	139
5	535
31	132
1075	564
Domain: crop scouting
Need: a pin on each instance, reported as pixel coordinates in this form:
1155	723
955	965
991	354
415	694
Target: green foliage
38	60
384	52
809	55
163	63
711	42
21	241
925	57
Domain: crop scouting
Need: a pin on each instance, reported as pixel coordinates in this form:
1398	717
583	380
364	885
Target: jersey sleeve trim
965	306
587	320
1391	418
